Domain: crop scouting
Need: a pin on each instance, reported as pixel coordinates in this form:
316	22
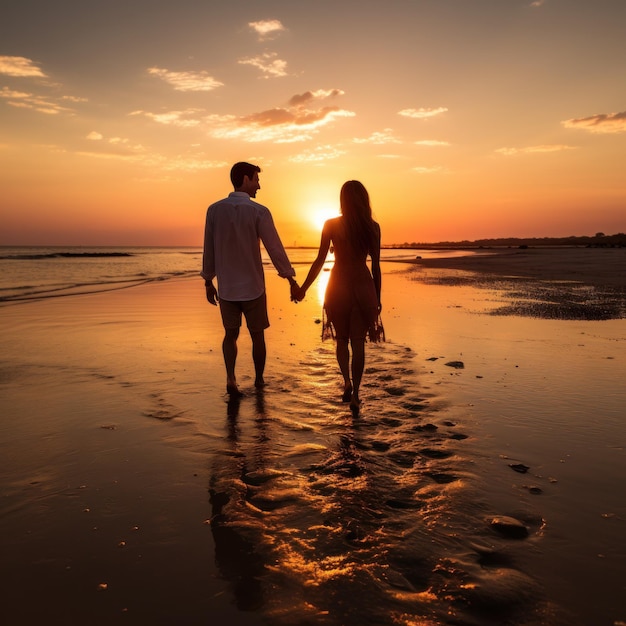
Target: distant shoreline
590	266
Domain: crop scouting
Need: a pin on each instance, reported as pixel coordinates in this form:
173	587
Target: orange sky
464	119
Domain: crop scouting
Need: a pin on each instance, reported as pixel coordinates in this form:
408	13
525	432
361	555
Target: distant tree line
599	240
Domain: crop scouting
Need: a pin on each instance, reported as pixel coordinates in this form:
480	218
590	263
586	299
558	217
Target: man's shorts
255	312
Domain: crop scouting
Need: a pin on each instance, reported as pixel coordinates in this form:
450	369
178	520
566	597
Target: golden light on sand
322	280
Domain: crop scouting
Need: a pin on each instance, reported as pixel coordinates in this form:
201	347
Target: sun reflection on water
322	281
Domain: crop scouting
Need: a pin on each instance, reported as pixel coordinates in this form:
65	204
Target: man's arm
274	246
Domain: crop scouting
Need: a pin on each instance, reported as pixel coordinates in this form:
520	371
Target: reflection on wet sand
332	519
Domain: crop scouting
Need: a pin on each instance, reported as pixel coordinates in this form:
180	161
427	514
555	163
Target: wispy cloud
121	148
534	149
281	124
422	114
277	125
431	143
189	118
20	66
601	123
380	138
267	29
312	96
26	100
269	64
318	155
537	3
428	170
186	81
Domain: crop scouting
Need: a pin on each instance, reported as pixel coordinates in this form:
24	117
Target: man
232	253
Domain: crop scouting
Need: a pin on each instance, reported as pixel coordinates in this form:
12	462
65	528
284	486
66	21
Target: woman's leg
343	359
358	365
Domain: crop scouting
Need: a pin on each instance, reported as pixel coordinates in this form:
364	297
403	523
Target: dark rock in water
519	467
534	489
459	365
509	527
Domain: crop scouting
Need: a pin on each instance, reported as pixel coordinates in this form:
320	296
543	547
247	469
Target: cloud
25	100
268	63
19	66
534	149
122	149
380	138
186	81
318	155
311	96
428	170
601	123
190	118
537	3
267	29
431	142
279	125
422	114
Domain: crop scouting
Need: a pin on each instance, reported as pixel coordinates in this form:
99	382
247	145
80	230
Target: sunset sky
465	119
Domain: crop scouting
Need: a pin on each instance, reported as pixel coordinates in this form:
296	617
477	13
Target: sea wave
63	255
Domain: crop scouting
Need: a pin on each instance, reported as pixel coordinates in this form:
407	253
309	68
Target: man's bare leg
259	356
229	349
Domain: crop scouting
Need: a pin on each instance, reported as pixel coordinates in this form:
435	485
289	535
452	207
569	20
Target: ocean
35	273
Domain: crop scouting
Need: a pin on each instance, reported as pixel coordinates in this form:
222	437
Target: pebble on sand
509	527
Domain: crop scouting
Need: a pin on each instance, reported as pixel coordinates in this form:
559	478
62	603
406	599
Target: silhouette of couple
236	225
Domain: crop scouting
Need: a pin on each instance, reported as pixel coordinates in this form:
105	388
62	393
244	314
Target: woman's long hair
356	210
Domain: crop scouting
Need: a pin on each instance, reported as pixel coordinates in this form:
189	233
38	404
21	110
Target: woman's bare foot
347	392
355	405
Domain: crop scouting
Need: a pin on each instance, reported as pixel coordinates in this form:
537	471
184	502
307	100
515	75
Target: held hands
294	291
297	293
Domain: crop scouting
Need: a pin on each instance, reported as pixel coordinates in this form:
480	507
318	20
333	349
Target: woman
352	303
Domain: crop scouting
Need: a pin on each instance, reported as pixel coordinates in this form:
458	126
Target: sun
319	213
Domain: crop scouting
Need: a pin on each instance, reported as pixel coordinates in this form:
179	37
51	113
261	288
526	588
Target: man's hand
298	294
211	293
295	290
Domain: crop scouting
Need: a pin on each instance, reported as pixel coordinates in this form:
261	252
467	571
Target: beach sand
589	266
135	492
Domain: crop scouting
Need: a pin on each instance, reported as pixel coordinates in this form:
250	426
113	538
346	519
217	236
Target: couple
236	225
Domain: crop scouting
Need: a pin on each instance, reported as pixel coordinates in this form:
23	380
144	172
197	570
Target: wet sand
589	266
134	491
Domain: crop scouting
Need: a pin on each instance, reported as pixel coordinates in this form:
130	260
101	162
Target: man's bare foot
233	390
259	383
